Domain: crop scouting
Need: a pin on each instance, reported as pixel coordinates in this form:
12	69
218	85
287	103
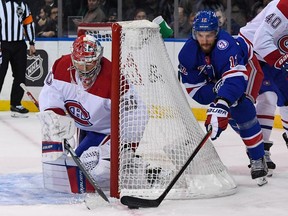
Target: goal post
153	130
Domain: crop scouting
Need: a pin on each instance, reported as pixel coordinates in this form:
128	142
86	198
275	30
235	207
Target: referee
16	25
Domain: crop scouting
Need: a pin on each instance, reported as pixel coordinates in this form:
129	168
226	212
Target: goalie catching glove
55	128
217	117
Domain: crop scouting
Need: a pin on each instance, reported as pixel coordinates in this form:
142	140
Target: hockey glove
217	117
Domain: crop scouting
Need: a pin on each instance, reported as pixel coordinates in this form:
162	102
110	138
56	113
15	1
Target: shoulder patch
222	44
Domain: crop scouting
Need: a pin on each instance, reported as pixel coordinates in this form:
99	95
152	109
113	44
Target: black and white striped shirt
16	21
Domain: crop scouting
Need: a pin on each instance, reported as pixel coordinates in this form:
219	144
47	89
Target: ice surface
22	192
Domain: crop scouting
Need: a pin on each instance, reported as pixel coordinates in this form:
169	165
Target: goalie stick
135	202
23	86
86	173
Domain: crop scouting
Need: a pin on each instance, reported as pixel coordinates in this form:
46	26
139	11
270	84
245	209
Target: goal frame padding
114	169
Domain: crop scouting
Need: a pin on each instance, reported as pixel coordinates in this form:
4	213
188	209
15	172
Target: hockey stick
82	168
135	202
23	86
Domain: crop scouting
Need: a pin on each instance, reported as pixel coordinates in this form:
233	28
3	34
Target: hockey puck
133	207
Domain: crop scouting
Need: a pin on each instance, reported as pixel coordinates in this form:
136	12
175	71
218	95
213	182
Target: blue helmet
205	20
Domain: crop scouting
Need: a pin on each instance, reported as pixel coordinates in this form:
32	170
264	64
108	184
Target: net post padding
114	192
170	131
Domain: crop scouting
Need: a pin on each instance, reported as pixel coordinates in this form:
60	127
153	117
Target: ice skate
259	171
19	111
270	164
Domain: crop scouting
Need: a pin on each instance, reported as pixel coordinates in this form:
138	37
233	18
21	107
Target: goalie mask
86	58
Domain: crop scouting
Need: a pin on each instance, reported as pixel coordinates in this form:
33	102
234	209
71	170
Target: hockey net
150	145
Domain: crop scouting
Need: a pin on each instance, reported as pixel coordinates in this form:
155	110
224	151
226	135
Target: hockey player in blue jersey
212	68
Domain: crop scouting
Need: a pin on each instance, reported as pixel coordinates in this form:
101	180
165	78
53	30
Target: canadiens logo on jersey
222	44
78	113
283	44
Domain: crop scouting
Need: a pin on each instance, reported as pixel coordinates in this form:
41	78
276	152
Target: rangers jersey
222	73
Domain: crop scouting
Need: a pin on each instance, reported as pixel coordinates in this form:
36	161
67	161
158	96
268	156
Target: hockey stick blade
86	173
136	202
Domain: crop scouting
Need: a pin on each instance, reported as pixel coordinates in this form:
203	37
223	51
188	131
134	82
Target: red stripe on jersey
58	111
231	72
254	140
189	90
246	39
265	117
272	57
283	7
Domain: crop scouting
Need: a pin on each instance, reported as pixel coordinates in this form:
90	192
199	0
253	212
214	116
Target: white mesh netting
158	131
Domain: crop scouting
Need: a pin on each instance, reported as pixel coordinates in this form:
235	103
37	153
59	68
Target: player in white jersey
77	92
268	34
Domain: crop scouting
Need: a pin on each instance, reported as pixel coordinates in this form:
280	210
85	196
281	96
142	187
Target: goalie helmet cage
153	130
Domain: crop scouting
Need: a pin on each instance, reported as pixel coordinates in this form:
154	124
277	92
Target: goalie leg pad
63	175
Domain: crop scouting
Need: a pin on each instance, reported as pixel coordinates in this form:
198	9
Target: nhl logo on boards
37	68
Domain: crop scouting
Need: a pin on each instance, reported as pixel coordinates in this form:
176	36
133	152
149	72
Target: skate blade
261	181
270	173
18	115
